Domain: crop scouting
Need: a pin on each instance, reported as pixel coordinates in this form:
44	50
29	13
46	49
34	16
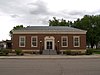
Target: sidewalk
49	56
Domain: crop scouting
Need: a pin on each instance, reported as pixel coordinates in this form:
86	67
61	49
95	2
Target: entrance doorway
49	45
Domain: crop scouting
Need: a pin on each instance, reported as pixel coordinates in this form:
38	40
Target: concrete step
49	52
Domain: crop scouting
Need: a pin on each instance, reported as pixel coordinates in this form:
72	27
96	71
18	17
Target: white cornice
84	32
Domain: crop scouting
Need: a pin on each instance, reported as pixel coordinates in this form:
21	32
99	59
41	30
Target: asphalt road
49	66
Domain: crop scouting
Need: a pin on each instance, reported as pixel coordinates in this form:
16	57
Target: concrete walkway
49	56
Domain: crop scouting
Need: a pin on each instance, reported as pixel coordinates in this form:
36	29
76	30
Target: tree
54	22
90	23
59	22
15	28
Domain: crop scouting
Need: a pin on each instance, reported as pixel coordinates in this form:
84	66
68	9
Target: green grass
96	52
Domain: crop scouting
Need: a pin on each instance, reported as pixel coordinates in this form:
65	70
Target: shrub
4	52
19	52
89	51
74	52
68	52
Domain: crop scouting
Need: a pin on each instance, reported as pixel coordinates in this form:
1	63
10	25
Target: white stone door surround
49	39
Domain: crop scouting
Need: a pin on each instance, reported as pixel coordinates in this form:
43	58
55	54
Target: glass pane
64	39
22	39
50	45
76	39
64	43
47	45
34	43
22	44
33	39
76	44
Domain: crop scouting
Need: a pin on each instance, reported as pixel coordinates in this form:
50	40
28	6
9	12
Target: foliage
19	52
97	52
68	52
89	51
58	22
4	52
90	23
15	28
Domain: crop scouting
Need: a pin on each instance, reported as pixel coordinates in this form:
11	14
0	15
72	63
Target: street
50	66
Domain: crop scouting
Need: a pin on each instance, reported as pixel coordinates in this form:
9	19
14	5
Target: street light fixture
58	46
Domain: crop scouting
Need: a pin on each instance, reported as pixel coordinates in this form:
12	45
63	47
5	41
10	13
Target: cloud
38	12
14	16
39	8
35	12
75	13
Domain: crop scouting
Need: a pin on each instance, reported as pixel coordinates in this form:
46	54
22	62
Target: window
64	42
76	41
34	41
22	41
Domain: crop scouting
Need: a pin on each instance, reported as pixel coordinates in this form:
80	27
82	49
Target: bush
4	52
89	52
19	52
74	52
68	52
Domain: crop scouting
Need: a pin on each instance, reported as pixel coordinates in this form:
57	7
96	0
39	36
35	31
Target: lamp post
40	47
58	47
93	26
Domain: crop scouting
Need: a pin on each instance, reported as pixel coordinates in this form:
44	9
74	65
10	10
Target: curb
51	57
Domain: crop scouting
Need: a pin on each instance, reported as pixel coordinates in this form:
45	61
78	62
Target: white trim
51	32
36	41
49	38
20	41
62	41
78	41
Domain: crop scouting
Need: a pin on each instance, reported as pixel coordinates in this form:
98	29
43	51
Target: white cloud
38	12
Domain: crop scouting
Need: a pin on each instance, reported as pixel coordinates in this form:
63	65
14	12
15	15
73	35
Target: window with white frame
76	41
21	41
64	41
34	41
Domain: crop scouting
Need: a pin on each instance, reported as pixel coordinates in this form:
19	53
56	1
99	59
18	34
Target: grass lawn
96	52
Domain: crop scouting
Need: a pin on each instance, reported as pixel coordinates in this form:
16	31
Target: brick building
52	38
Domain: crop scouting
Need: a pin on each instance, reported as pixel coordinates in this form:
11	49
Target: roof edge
83	32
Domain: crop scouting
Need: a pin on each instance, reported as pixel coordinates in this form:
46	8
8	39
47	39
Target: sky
38	12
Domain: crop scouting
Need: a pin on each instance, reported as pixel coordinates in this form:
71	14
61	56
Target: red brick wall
41	37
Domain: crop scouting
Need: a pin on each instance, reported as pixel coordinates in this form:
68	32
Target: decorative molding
52	32
49	38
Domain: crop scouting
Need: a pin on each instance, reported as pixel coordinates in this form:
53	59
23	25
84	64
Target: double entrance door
49	45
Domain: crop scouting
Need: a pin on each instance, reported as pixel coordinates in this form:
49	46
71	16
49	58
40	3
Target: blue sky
38	12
